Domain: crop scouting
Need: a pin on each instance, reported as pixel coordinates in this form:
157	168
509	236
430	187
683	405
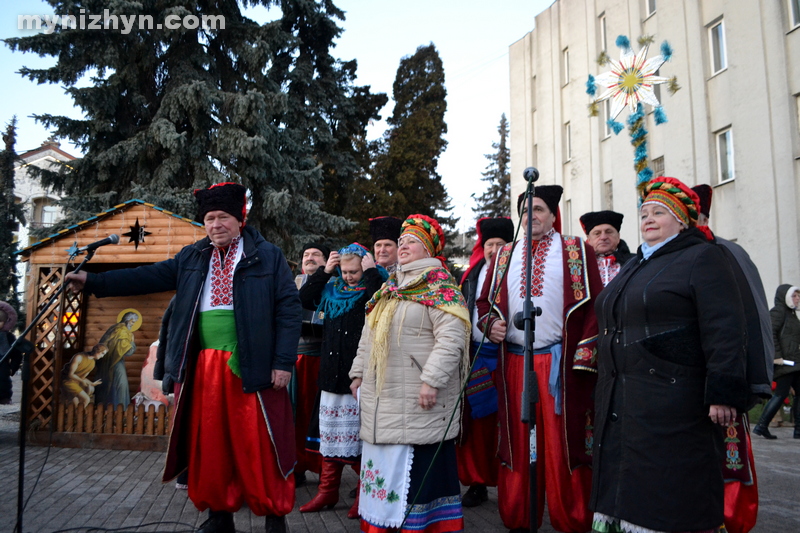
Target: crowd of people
646	364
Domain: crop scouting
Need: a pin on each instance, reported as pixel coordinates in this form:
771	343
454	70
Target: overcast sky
472	38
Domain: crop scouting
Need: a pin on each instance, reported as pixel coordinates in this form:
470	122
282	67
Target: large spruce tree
405	175
168	111
496	201
11	216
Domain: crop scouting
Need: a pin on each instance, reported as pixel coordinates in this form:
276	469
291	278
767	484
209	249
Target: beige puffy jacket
426	345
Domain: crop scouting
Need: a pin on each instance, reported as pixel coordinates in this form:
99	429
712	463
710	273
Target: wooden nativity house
113	414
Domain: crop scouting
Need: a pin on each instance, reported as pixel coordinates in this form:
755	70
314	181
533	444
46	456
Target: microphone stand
527	322
23	408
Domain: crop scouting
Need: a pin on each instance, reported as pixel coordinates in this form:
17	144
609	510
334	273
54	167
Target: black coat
469	287
786	333
340	335
671	344
266	307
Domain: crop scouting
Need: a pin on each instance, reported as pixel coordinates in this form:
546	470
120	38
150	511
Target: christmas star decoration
136	234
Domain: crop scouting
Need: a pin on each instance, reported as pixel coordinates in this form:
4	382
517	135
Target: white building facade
734	124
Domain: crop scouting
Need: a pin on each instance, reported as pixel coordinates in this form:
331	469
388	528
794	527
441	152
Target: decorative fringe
381	323
623	42
666	51
591	87
615	126
594	109
646	40
660	116
603	59
672	85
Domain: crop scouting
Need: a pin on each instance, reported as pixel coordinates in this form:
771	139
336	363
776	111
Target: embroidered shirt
547	289
218	289
609	268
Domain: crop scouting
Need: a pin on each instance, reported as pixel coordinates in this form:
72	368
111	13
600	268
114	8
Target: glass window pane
718	48
794	7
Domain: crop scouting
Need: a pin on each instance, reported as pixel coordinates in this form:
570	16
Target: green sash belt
218	332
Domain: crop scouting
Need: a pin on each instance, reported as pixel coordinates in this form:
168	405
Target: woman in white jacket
409	369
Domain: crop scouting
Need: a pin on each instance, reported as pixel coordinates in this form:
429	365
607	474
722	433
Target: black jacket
671	344
340	335
623	253
266	306
786	333
469	287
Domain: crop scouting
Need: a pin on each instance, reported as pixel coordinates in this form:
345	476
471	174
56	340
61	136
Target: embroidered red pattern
537	273
222	275
609	268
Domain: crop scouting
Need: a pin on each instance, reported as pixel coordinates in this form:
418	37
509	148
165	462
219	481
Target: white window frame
650	7
567	142
606	116
716	43
565	66
728	157
794	13
603	32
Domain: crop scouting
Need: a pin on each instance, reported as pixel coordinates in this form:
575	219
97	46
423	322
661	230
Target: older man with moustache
565	282
385	231
602	233
231	346
303	388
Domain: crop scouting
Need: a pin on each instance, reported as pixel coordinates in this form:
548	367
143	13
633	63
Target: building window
601	21
44	213
651	6
533	93
725	167
794	13
657	87
565	65
567	142
658	166
568	217
606	117
797	108
716	41
608	195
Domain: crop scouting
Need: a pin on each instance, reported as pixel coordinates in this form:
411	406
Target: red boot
328	492
353	512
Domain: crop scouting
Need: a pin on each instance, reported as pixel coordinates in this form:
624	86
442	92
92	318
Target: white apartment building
735	122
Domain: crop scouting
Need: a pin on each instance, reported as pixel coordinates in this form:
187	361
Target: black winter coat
340	335
266	307
469	287
786	333
671	344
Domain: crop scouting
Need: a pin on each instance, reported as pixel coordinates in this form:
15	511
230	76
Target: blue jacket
266	306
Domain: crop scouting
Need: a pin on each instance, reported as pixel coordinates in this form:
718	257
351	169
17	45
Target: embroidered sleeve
586	355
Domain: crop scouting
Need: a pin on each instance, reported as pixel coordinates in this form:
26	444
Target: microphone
531	174
111	239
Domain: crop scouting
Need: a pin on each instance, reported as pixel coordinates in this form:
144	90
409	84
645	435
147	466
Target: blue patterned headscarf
338	297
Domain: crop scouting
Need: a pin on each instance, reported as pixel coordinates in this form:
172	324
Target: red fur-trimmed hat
228	197
381	228
551	194
704	192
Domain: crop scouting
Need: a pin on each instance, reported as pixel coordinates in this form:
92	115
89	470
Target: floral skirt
339	425
606	524
392	486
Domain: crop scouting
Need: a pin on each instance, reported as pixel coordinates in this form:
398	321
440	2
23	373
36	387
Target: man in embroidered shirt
602	234
565	281
230	350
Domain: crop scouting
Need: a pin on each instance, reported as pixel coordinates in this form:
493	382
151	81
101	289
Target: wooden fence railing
113	420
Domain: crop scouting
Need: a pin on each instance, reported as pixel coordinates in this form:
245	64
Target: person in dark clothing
9	365
602	234
333	432
476	450
671	363
786	335
231	345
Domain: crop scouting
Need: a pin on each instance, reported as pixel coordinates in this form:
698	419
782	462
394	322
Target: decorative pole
629	83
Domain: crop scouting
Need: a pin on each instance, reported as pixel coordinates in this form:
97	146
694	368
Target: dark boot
476	495
762	428
796	410
328	492
218	522
275	524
